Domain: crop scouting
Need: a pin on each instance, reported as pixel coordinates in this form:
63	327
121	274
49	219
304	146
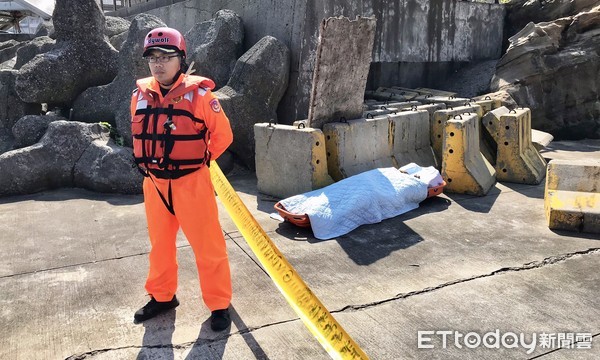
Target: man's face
163	66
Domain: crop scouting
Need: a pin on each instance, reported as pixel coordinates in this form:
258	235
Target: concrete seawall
412	38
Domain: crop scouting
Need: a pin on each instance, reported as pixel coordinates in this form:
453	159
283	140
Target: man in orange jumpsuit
178	126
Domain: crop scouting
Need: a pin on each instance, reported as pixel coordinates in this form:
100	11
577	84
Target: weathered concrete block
290	160
464	168
517	159
488	104
489	133
407	93
541	139
435	92
448	100
439	123
572	195
338	86
385	96
374	105
357	145
497	138
409	136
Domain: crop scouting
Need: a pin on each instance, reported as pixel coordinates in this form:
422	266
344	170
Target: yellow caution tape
313	313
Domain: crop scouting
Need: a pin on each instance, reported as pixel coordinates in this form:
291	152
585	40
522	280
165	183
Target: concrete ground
74	264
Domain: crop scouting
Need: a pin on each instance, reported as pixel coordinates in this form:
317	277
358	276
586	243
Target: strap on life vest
167	202
167	140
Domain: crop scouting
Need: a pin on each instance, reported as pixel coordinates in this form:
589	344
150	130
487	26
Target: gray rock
110	102
8	49
49	163
34	47
78	20
118	40
520	12
11	106
106	167
554	69
116	25
8	44
257	84
80	59
215	45
6	141
30	128
70	154
9	64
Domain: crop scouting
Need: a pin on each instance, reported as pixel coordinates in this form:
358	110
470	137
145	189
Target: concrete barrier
439	123
435	92
508	132
374	104
357	145
290	160
395	140
488	104
410	138
448	100
464	168
572	195
541	139
371	114
489	133
408	94
384	96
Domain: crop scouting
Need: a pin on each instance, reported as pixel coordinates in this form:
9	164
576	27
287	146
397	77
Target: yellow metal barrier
331	335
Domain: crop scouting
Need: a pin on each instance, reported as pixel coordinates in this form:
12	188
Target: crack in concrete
109	259
528	266
182	346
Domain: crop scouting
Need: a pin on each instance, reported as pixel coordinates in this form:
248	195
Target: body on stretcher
435	188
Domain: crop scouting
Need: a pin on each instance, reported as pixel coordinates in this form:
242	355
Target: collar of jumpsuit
164	72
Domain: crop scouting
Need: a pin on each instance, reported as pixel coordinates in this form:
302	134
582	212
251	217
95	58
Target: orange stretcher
304	221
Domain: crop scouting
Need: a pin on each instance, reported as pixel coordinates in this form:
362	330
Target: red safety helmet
164	39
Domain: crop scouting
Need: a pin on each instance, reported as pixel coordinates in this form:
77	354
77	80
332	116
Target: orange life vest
166	134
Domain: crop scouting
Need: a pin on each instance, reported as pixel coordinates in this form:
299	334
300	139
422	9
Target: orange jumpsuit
187	201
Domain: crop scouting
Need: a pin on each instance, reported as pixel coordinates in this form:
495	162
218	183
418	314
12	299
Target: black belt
171	174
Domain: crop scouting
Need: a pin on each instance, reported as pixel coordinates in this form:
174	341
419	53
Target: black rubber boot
220	320
153	308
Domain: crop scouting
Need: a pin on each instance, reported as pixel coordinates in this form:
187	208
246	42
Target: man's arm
216	122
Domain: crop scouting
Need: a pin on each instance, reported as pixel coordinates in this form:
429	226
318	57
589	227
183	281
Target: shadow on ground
370	243
64	194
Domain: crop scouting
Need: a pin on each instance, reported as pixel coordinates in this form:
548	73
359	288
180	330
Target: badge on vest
214	105
178	99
